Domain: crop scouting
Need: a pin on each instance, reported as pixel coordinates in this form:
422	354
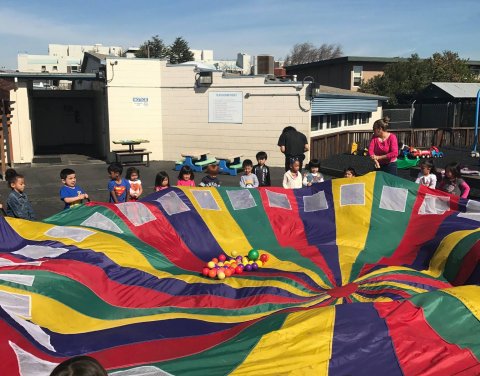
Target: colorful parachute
368	276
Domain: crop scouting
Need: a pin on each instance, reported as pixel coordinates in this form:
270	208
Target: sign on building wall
225	107
140	101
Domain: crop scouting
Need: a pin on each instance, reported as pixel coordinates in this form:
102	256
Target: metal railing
326	146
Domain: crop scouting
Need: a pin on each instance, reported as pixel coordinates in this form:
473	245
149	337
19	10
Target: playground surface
43	180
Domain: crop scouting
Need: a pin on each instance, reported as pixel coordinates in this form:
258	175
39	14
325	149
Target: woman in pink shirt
383	149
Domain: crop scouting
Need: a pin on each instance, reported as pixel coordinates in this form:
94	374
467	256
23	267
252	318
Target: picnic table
132	152
229	164
196	160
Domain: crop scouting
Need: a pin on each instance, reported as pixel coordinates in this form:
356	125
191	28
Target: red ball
215	260
228	272
239	270
205	271
221	269
212	273
264	257
222	258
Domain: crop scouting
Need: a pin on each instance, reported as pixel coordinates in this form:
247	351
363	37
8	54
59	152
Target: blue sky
362	27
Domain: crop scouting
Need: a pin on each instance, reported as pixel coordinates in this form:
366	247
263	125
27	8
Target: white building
242	65
62	58
178	108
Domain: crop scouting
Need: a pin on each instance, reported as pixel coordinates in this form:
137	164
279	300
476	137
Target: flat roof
359	59
334	92
51	76
347	59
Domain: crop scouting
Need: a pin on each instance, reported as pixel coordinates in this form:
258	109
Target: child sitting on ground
249	179
427	176
71	194
452	182
211	180
349	172
117	186
314	176
133	176
185	177
162	181
293	178
262	170
18	205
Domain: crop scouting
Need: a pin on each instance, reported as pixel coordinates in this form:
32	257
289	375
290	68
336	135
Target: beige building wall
21	127
128	80
266	111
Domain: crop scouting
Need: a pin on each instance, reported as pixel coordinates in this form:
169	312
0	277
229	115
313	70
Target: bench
196	160
229	164
126	150
119	155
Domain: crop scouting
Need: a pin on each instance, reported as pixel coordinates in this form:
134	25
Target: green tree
403	80
153	48
180	51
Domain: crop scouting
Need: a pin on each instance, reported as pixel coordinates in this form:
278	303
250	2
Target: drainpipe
475	140
412	110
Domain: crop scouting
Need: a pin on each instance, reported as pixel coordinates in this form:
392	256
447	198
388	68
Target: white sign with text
140	101
225	107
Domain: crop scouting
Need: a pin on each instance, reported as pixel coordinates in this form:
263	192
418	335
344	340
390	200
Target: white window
205	199
74	233
351	118
315	202
434	205
365	117
394	199
352	194
101	222
241	199
278	200
172	204
357	75
317	124
334	121
136	212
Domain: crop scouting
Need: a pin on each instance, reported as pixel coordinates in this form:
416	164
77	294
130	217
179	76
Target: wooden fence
326	146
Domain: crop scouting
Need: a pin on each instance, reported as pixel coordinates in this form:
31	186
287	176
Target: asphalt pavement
43	179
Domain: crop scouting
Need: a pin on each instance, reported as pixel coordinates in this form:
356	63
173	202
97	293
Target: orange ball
212	273
228	272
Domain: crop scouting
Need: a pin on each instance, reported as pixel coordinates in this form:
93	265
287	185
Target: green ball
253	255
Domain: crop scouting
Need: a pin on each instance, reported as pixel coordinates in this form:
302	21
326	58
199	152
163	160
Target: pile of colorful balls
223	266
